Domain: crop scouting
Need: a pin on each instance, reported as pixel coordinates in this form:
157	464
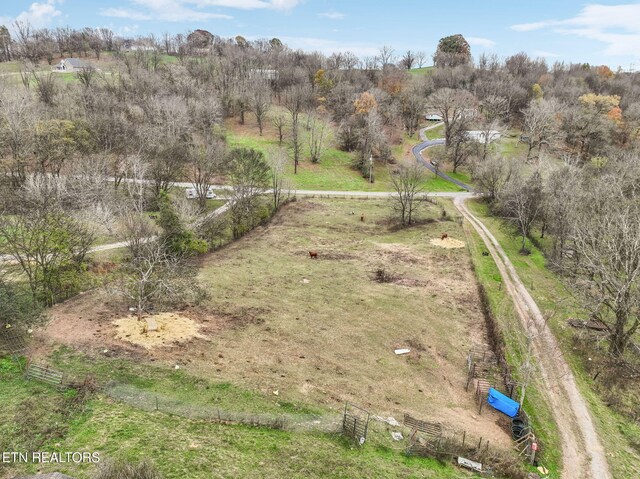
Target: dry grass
447	243
331	338
323	331
171	328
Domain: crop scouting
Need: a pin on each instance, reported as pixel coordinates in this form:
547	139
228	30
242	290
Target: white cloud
332	15
545	54
330	46
481	42
248	4
124	13
163	10
617	26
39	14
528	27
190	10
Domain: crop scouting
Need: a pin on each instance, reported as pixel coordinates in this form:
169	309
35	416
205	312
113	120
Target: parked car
192	193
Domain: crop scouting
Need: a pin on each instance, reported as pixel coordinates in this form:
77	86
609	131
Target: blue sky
604	32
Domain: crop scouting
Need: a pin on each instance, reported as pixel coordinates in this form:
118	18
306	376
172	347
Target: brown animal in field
443	236
313	254
362	218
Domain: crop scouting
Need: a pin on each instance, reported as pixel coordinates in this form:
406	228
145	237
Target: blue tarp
503	403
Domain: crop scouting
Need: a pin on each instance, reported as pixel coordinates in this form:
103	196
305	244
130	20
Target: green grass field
620	436
435	133
36	417
335	170
421	71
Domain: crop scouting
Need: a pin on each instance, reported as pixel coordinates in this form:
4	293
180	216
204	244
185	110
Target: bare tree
205	162
521	204
295	100
155	277
279	121
317	136
421	57
408	59
541	124
277	159
135	226
165	140
16	117
456	107
561	192
494	110
260	103
607	242
407	185
386	55
492	174
46	88
412	109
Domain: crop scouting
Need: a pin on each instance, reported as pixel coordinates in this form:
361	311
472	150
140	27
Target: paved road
334	193
582	453
309	193
426	143
123	244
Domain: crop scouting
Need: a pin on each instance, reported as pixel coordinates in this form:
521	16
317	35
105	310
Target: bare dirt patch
171	328
86	323
394	252
447	243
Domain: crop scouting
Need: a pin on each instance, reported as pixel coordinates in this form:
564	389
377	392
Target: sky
604	32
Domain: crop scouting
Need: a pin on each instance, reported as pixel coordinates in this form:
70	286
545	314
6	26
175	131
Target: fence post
344	417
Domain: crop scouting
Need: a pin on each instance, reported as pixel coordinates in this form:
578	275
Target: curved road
427	143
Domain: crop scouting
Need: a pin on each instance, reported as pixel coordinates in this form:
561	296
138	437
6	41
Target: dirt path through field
582	453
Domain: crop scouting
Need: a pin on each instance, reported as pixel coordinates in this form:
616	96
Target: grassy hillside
335	170
283	335
36	417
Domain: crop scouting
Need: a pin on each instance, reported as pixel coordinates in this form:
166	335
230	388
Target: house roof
77	63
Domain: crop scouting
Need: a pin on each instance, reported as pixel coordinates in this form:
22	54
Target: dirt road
582	453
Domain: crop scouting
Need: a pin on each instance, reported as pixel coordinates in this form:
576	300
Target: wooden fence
355	423
44	374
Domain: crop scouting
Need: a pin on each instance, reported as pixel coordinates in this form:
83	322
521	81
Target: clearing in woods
323	331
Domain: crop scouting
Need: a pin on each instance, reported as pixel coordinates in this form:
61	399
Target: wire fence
151	401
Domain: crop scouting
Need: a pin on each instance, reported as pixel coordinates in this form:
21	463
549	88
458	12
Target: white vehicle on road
192	193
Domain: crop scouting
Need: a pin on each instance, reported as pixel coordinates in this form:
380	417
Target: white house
433	117
480	137
73	65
